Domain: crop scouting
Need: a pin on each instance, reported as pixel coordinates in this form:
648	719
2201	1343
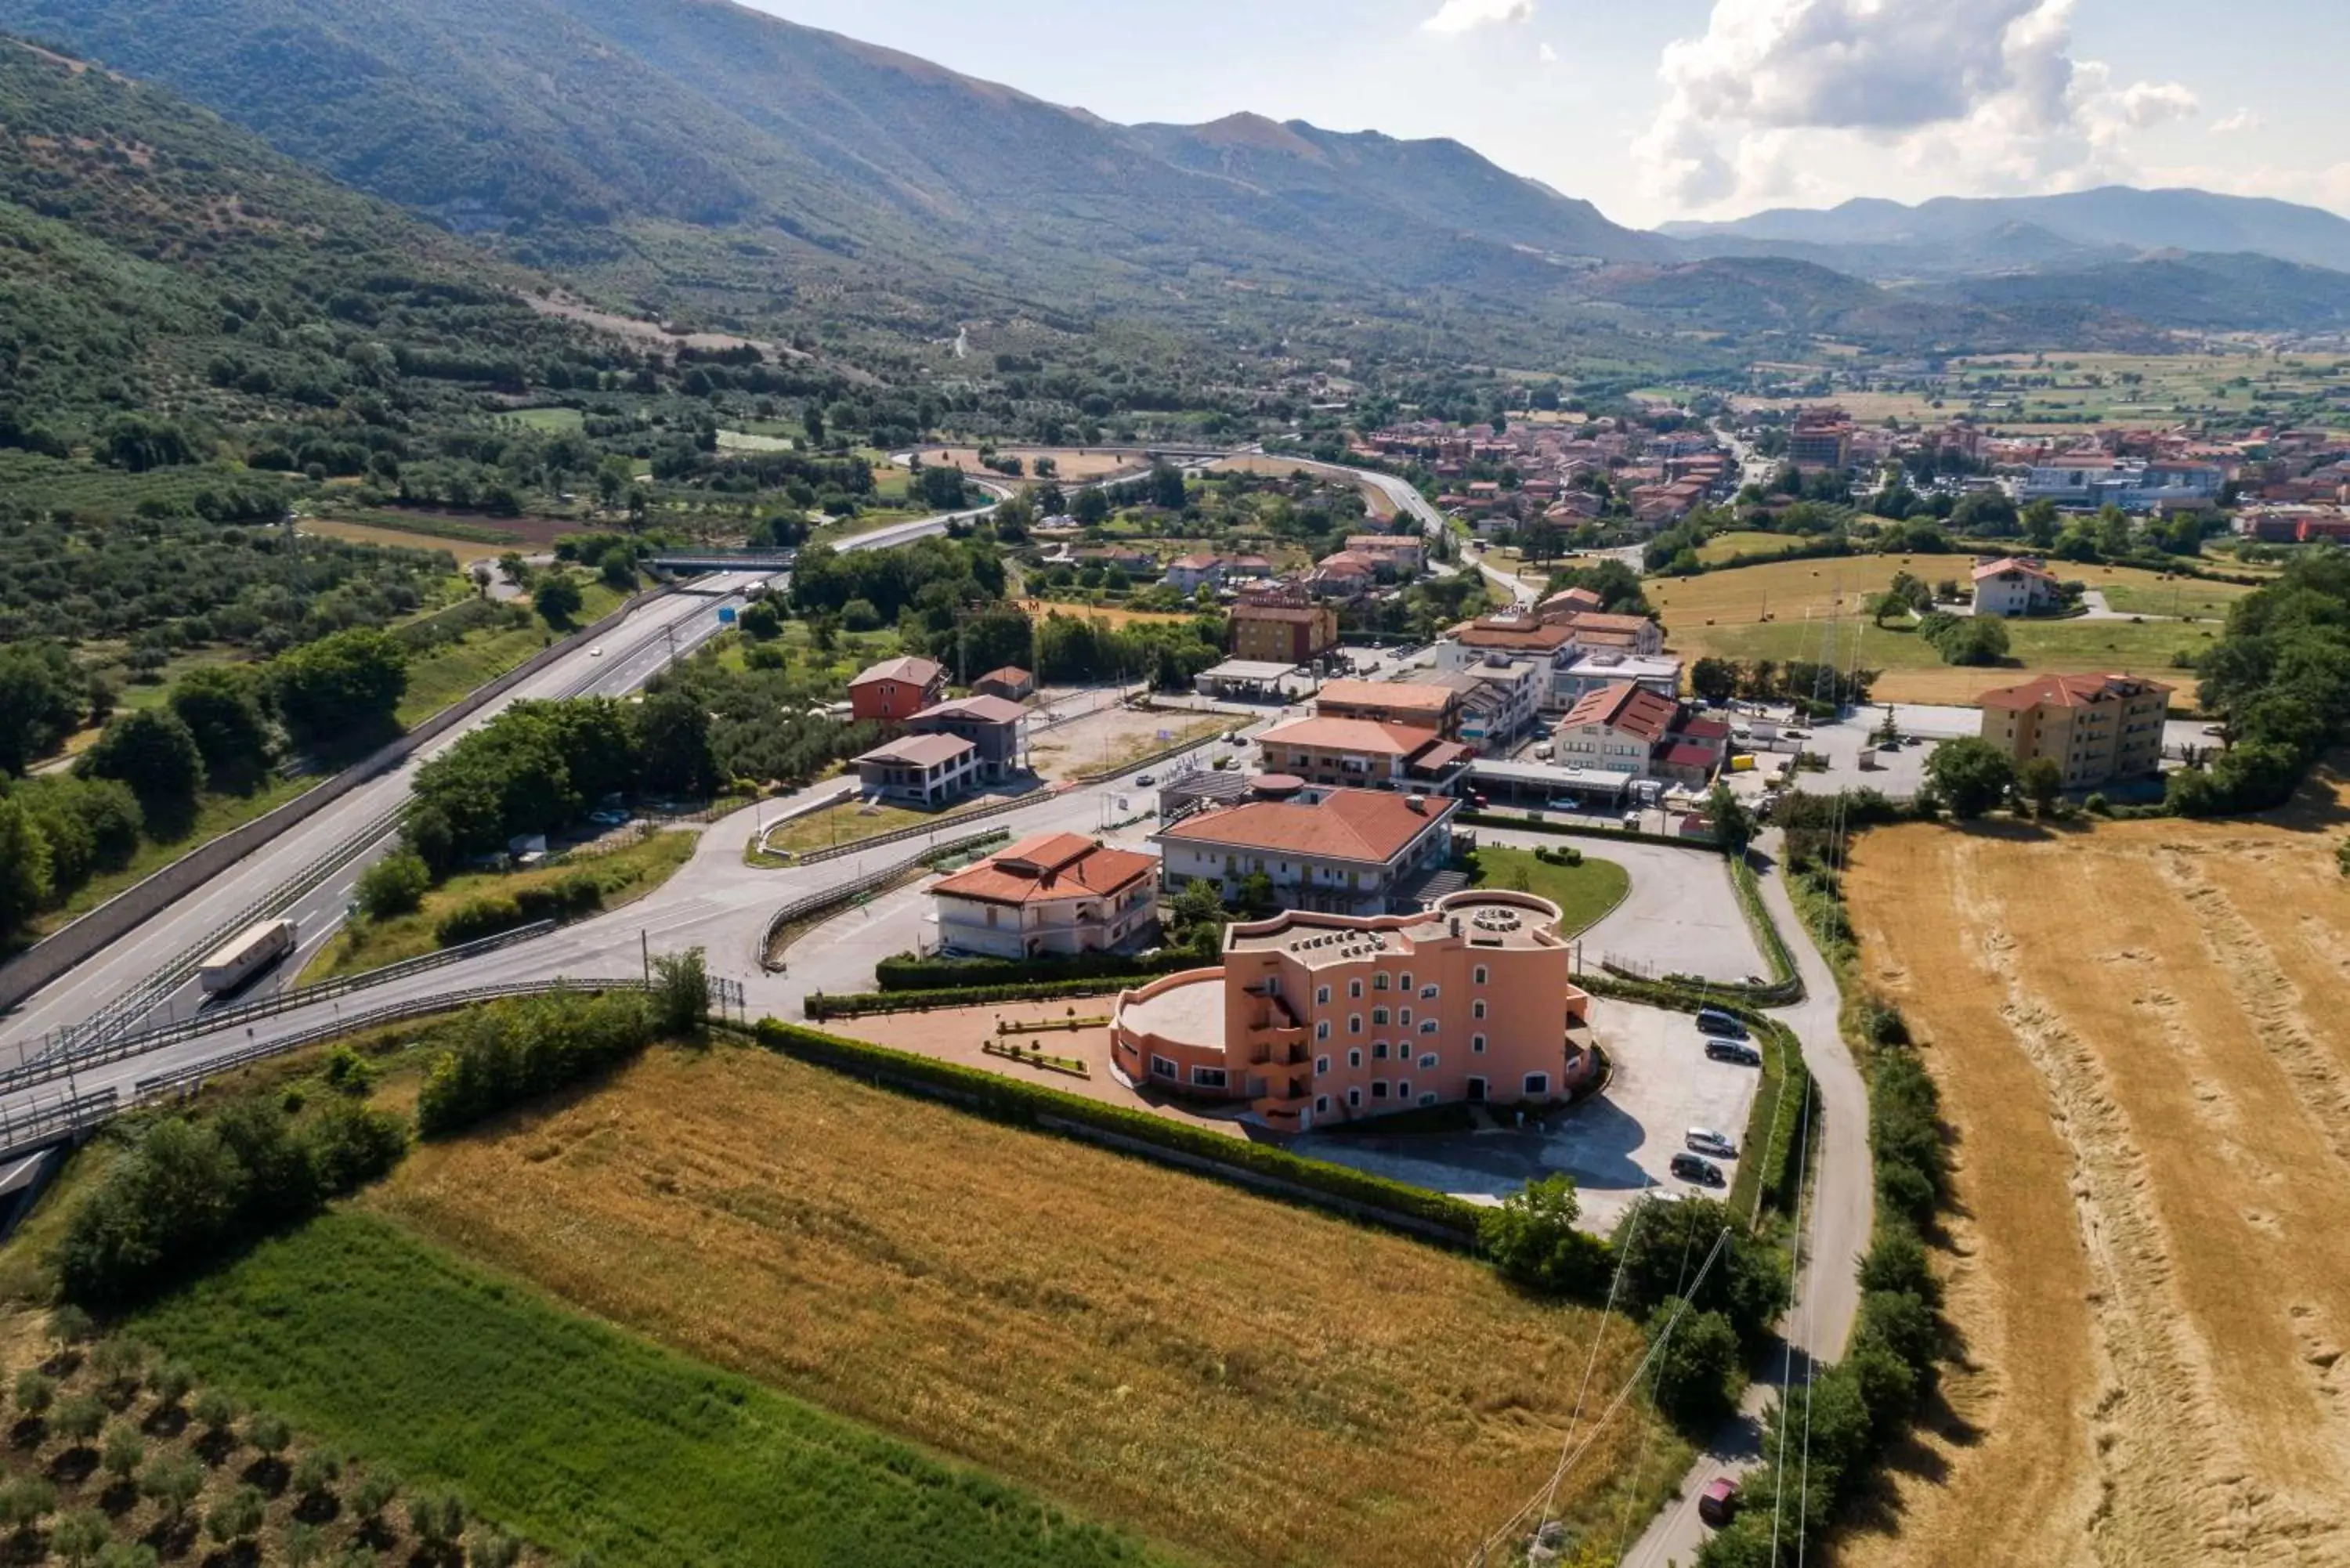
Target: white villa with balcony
1058	894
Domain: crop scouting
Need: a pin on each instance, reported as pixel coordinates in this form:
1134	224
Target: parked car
1705	1140
1693	1168
1717	1505
1713	1021
1736	1051
1794	734
1147	780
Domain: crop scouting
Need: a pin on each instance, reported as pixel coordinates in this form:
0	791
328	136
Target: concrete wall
47	960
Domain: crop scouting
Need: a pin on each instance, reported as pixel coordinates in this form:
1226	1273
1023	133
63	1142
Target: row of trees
2279	677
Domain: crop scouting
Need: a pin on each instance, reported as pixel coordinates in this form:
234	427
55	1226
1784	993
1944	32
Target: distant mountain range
698	155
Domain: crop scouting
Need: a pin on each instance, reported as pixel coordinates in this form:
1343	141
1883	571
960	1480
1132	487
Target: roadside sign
725	615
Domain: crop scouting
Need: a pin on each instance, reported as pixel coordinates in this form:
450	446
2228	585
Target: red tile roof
1367	736
987	709
912	670
1049	866
1624	706
2006	563
1369	825
2071	691
1397	696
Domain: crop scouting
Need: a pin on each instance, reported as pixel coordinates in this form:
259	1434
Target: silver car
1705	1140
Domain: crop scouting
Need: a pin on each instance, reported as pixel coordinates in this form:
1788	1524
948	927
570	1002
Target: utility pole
645	951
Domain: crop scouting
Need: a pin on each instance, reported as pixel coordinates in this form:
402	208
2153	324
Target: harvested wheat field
2142	1034
1246	1382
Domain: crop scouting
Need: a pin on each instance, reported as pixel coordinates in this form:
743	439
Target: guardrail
53	955
48	1124
392	1013
40	1071
834	897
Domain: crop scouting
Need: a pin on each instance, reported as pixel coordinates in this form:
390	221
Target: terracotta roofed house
1422	704
2013	586
1056	894
897	689
1615	728
1362	752
920	770
990	724
1348	851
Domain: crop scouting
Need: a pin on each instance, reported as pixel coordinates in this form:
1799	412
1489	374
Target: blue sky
1663	108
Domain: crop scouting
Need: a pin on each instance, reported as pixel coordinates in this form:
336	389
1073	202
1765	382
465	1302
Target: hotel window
1354	1058
1321	1029
1429	1026
1427	1060
1321	1064
1403	1090
1321	1105
1428	1098
1380	980
1481	974
1354	1098
1208	1077
1427	993
1379	1016
1477	1008
1406	980
1354	988
1354	1024
1378	1088
1322	996
1477	1044
1379	1050
1537	1083
1161	1068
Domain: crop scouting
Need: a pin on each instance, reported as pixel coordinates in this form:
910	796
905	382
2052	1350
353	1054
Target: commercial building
1057	894
1344	851
2099	728
2088	481
991	724
1289	631
1587	672
918	770
1318	1020
1821	439
1616	729
1423	705
1501	700
897	689
1363	753
2014	586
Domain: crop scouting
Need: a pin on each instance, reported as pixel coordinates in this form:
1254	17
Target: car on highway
1147	779
1705	1140
1737	1051
1698	1169
1714	1021
596	653
1718	1503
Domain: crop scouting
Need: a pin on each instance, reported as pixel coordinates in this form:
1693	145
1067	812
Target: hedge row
499	1055
819	1006
1583	830
904	973
565	899
1032	1104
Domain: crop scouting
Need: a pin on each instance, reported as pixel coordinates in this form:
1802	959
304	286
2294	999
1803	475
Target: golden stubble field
1248	1382
2142	1034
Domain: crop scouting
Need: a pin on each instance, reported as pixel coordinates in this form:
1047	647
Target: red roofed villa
1057	893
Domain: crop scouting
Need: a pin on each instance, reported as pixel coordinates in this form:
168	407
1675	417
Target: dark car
1713	1021
1697	1168
1736	1051
1718	1503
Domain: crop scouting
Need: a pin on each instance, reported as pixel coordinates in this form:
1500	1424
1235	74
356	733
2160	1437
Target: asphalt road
119	977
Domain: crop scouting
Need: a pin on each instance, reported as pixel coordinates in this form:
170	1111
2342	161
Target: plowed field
2142	1034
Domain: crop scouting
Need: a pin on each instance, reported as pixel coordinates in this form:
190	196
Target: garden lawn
625	874
580	1436
837	824
1583	893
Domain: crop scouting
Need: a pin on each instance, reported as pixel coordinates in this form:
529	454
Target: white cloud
2236	124
1985	94
1467	15
1546	55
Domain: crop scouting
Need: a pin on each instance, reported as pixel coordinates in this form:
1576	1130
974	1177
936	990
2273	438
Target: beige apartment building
2098	727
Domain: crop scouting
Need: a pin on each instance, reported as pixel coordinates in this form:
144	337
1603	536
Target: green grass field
1583	893
1747	542
582	1439
554	422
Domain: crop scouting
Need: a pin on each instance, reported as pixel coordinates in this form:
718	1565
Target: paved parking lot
1680	917
1616	1145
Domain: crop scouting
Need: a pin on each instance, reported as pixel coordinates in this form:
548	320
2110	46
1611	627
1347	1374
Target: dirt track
2142	1033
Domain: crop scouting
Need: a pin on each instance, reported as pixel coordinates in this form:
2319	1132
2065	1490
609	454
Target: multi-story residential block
1403	553
1500	700
918	770
1346	851
2014	586
2099	728
1316	1018
990	724
1616	729
1821	437
1363	753
1056	894
1424	705
1283	629
897	689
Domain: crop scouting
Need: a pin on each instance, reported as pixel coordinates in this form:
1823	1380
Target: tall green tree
1973	776
153	751
24	866
222	707
350	682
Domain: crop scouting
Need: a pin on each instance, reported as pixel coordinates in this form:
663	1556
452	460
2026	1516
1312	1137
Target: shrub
394	885
1696	1371
1531	1241
512	1051
906	973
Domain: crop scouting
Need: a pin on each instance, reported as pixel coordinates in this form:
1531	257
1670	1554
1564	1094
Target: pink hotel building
1316	1018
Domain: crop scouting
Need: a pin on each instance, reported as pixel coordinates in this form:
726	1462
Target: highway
148	975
